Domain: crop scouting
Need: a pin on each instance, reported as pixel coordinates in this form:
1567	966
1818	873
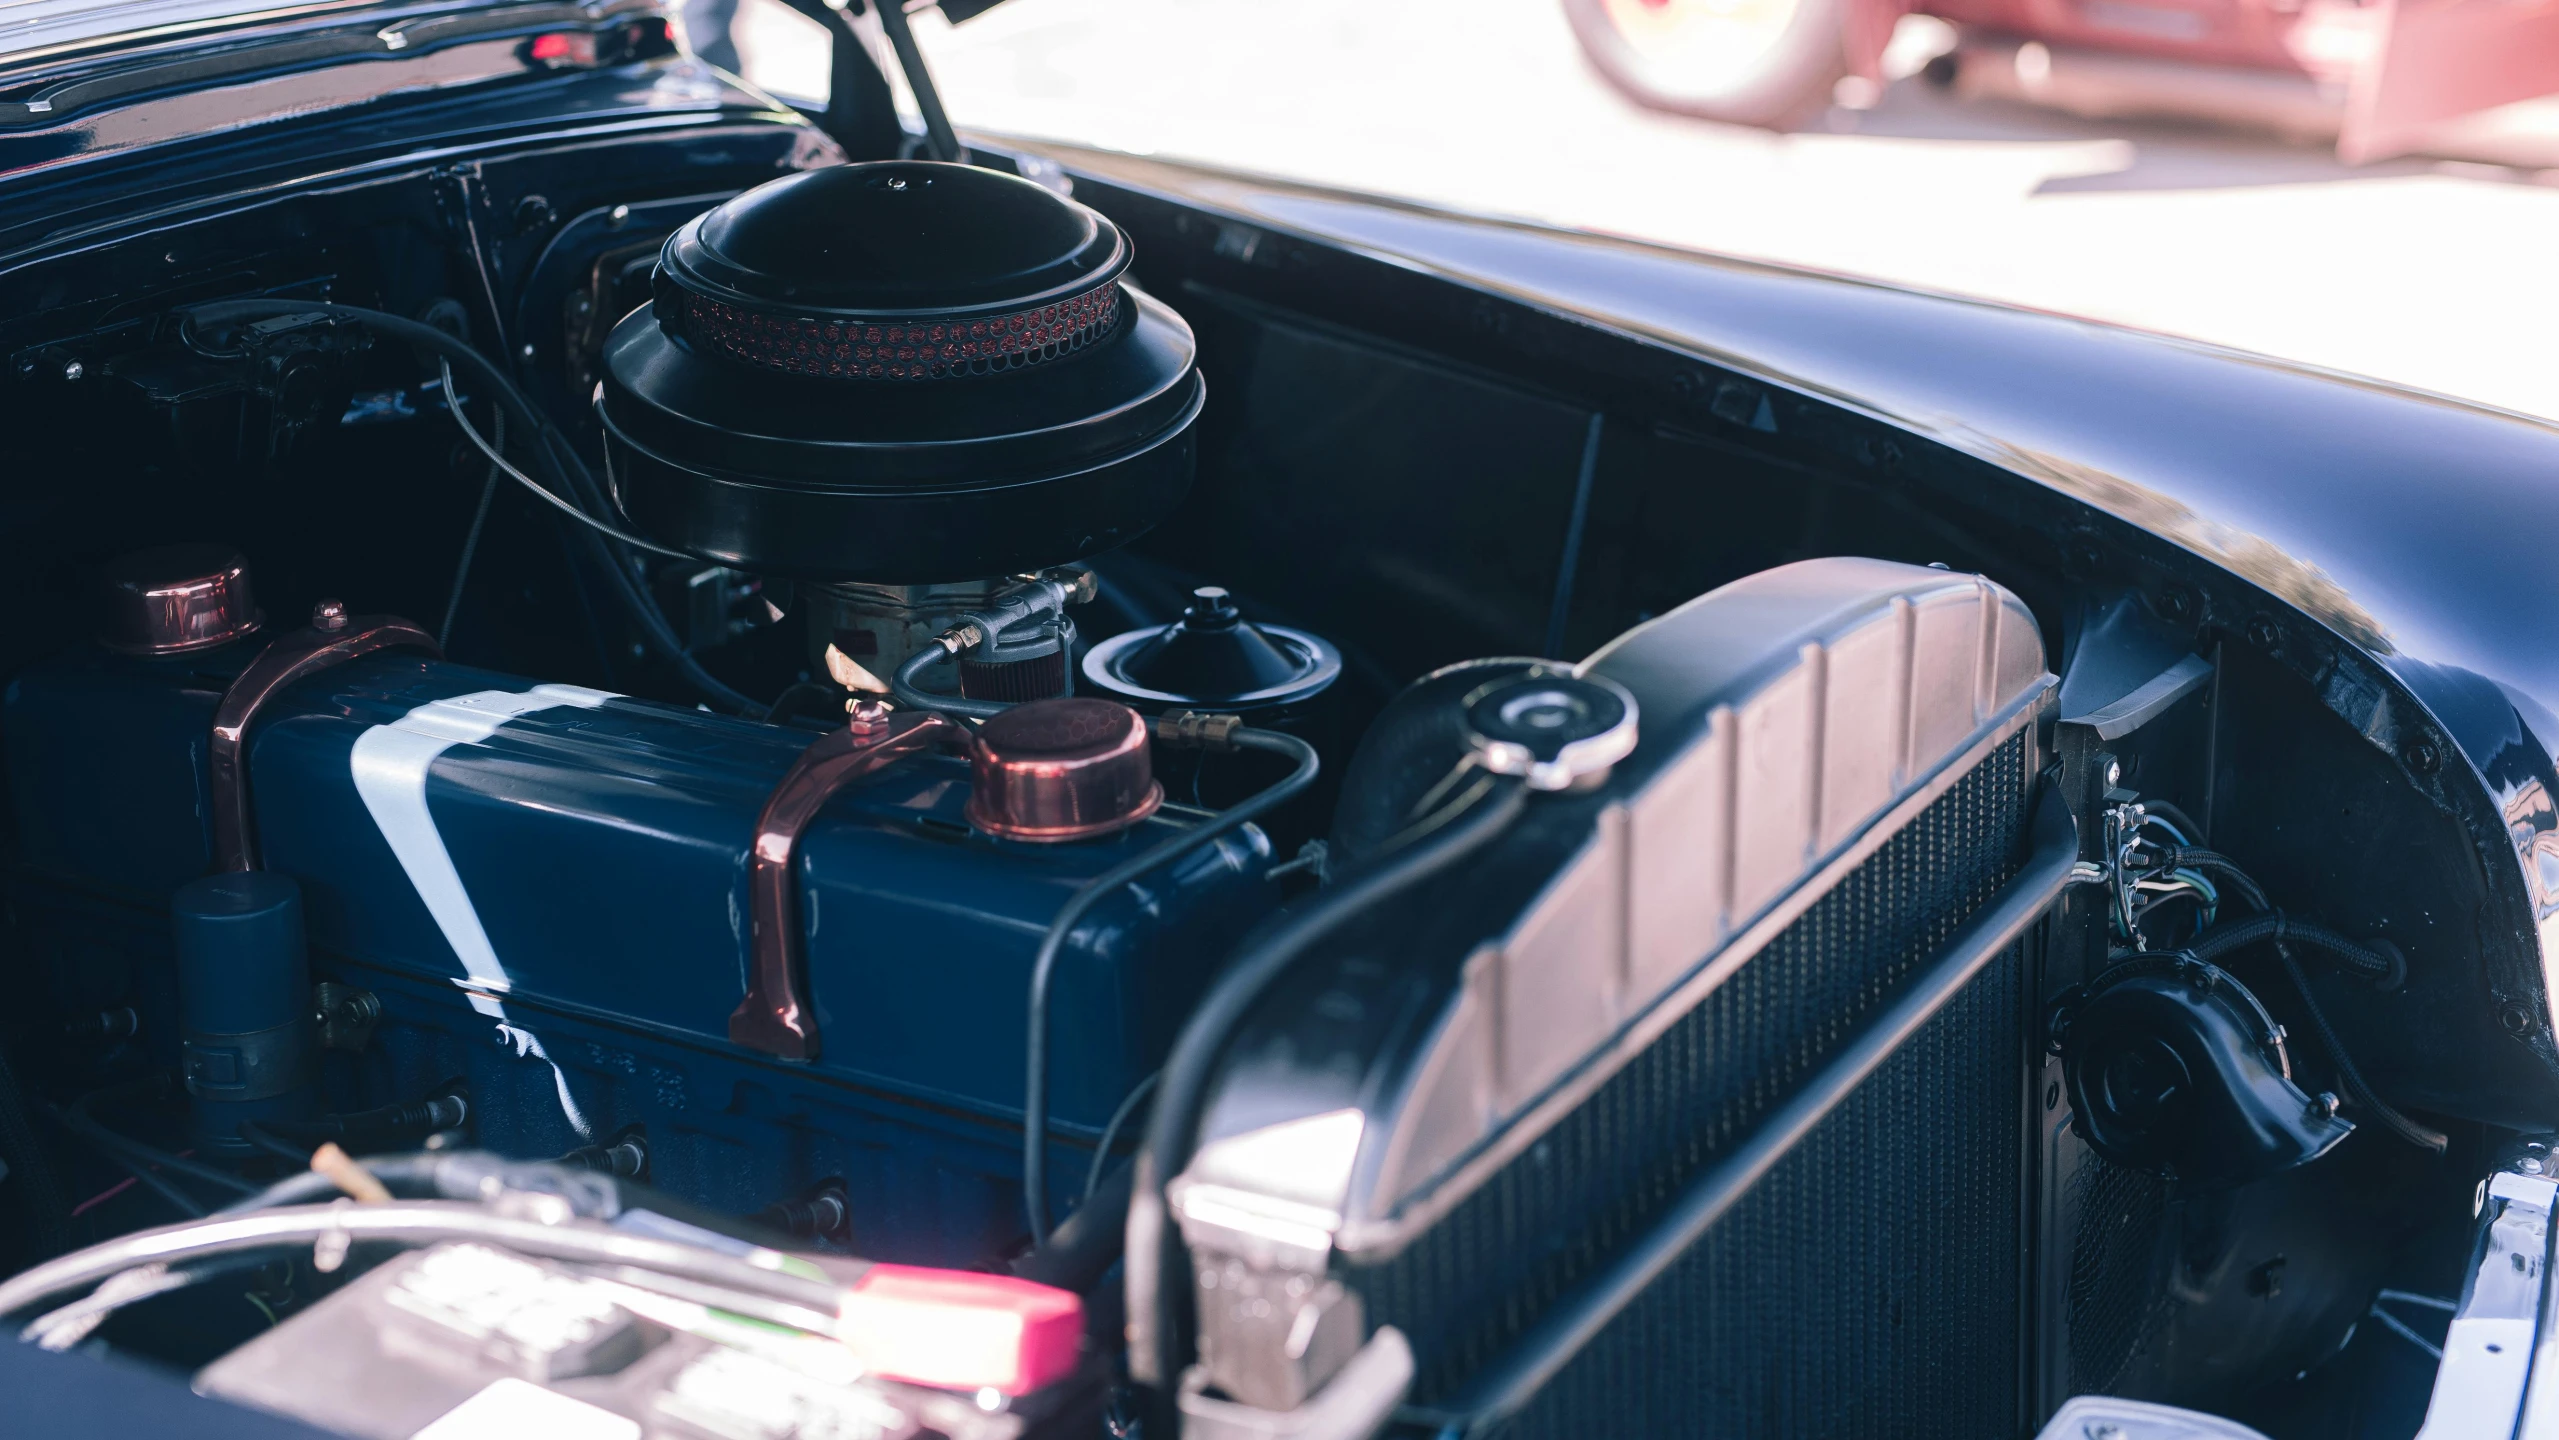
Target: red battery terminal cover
960	1330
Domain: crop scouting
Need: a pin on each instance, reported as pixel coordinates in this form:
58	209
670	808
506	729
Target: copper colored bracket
776	1017
333	638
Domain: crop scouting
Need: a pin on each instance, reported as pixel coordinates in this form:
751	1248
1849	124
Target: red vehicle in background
2375	76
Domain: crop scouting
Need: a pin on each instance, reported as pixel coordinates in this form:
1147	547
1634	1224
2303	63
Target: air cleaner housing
904	372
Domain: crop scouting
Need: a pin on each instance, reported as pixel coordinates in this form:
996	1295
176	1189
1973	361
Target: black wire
1044	965
2194	833
87	1125
634	596
2348	1076
1181	1095
149	1177
143	1171
2277	926
1111	1134
574	511
557	459
2192	858
906	686
2285	932
471	539
273	1144
46	1210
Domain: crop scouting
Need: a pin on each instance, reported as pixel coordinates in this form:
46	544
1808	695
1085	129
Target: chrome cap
1557	729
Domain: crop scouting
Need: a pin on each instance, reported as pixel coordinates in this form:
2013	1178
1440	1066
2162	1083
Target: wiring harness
2157	862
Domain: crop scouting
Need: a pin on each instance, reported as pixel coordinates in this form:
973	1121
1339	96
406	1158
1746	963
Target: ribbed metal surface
1871	1285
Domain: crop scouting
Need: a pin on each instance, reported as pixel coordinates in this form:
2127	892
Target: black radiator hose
1044	966
1085	1245
1476	819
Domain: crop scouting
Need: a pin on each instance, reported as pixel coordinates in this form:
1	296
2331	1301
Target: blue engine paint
602	848
244	1002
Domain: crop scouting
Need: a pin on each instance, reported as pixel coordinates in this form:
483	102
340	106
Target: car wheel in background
1772	63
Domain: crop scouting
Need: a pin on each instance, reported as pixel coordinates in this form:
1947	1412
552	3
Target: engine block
545	888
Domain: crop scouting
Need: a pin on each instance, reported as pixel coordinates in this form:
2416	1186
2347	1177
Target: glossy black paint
2175	1070
2343	545
895	238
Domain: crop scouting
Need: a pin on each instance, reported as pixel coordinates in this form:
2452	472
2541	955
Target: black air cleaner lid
896	239
903	372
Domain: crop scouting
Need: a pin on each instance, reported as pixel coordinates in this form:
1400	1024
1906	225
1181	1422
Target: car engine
973	745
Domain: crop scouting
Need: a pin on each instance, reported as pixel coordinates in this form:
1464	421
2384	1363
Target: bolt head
2530	1166
73	370
329	615
2421	755
2114	773
863	715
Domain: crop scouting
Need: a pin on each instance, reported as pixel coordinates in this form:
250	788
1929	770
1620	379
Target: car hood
2421	528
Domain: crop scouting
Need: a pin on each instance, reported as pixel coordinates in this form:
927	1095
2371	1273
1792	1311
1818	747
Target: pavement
2435	272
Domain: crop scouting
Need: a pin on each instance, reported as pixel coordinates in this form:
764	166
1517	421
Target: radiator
1871	1284
1700	1106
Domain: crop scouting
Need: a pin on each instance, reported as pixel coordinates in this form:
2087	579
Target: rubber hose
1091	893
2275	925
915	697
1181	1095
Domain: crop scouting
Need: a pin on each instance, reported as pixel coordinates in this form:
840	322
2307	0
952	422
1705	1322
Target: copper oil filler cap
1063	769
177	598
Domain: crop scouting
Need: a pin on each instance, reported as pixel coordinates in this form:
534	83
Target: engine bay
939	714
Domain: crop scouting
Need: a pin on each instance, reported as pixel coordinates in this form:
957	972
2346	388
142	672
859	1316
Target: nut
1193	729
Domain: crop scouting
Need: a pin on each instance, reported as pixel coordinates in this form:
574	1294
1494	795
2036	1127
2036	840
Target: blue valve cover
546	886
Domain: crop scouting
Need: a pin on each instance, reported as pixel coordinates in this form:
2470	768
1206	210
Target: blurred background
2371	188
